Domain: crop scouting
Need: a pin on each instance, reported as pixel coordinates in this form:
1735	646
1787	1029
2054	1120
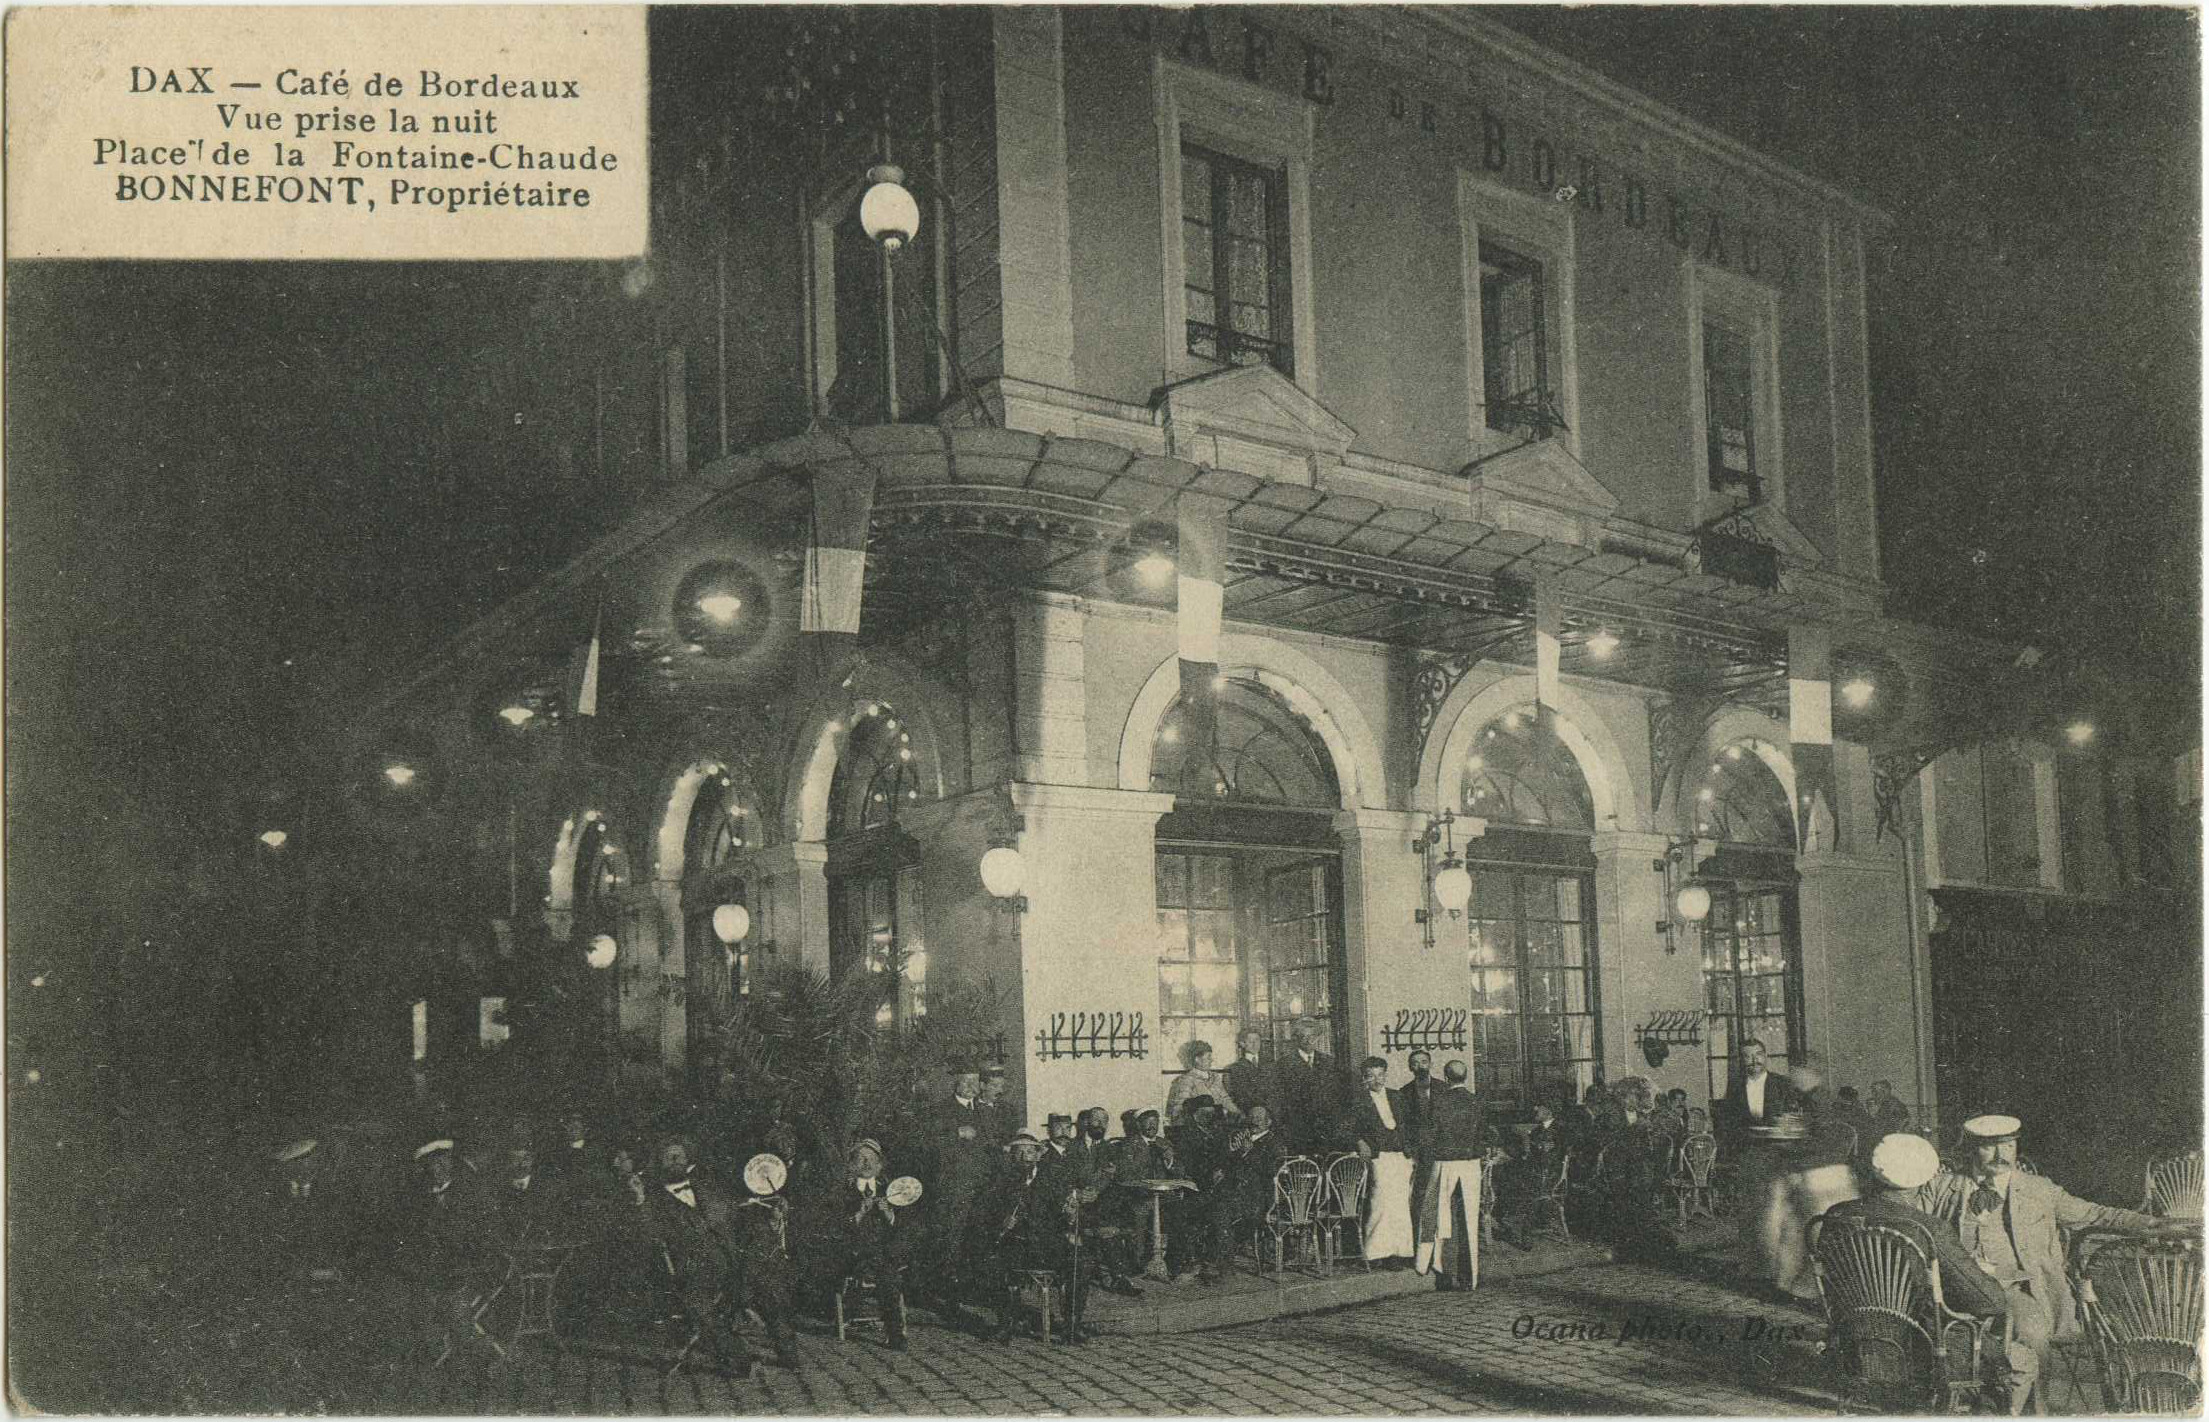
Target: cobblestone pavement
1602	1339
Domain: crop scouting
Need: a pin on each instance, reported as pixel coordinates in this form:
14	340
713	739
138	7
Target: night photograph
1159	682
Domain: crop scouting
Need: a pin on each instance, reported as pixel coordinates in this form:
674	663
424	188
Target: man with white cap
1900	1163
2008	1220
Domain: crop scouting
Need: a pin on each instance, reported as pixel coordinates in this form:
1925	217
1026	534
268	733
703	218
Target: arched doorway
1249	877
719	834
874	893
1530	925
1752	938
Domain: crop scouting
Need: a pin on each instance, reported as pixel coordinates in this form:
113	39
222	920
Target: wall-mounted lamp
888	213
1688	901
731	922
1448	884
1003	874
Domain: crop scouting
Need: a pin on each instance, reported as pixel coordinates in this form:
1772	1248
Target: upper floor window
1514	340
1235	258
1729	406
875	358
1521	383
1734	337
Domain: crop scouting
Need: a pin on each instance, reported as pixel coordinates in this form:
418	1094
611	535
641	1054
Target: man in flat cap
2008	1220
1900	1164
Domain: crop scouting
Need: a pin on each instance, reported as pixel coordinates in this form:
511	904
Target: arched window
1738	800
1265	753
875	915
719	826
874	776
1519	773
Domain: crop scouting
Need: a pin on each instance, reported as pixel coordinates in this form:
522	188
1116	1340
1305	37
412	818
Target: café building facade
1314	513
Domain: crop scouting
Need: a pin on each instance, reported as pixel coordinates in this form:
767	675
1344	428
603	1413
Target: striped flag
1810	733
1549	630
836	552
585	700
1200	606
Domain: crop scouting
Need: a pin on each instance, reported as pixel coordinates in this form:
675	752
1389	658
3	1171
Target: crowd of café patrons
955	1202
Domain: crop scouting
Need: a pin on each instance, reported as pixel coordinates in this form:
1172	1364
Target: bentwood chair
2142	1303
1894	1341
1297	1187
1491	1165
1691	1189
1551	1188
2174	1186
1343	1204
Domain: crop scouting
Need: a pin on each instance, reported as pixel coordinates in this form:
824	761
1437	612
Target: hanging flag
1810	731
1201	599
1549	629
836	551
585	700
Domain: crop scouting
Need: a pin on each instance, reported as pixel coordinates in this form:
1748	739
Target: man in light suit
2008	1221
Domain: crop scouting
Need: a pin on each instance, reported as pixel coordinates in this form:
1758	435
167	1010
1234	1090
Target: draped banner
1549	630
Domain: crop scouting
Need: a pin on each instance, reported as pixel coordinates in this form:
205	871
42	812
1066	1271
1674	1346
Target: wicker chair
2174	1186
1297	1188
1893	1338
2142	1301
1343	1204
1691	1189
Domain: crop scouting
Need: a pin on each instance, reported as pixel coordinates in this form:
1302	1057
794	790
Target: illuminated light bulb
1692	903
400	776
889	723
874	708
905	753
602	952
694	648
1857	693
517	715
590	817
1477	763
1512	721
912	794
904	738
736	812
1706	794
2079	733
39	980
878	797
607	849
1733	752
1453	887
34	1076
1155	569
274	839
721	607
1602	645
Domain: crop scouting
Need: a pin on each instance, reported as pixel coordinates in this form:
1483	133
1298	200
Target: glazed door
1535	1011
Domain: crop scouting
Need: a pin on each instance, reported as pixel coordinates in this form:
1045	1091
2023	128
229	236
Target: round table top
1160	1186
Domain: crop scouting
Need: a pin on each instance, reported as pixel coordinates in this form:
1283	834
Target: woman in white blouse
1198	1080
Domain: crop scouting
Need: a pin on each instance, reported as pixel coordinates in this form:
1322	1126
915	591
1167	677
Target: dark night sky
214	469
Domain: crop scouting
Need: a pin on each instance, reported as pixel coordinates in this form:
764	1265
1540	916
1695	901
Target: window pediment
1541	489
1253	419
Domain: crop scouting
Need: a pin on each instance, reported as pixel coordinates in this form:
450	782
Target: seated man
1195	1233
2008	1221
1900	1164
873	1244
1254	1156
1518	1189
693	1220
1013	1243
435	1254
519	1208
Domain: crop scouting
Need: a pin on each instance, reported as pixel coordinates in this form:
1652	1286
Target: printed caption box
290	132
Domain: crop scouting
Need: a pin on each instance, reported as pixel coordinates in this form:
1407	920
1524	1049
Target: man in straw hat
1900	1164
2008	1220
